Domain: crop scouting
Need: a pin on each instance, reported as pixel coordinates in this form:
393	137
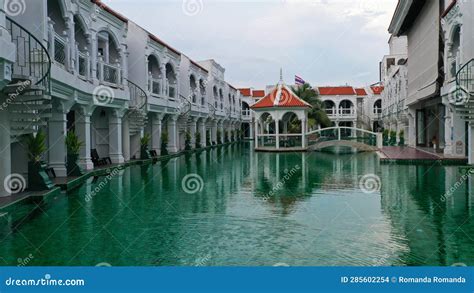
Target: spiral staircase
462	98
29	92
137	112
184	106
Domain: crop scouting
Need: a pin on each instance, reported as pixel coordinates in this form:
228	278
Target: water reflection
255	209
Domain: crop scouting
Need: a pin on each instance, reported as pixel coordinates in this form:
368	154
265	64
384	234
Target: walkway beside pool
411	155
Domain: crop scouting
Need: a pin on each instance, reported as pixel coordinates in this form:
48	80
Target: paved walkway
407	153
411	154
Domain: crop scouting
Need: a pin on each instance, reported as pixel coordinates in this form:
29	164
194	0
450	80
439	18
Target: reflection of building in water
280	179
429	215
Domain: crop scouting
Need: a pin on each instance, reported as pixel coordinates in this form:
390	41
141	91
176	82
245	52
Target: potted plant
37	178
187	141
385	136
198	140
144	142
401	138
164	143
73	146
393	138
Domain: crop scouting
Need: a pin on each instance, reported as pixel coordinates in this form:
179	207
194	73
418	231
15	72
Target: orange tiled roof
284	98
110	10
335	91
246	92
361	92
258	93
377	90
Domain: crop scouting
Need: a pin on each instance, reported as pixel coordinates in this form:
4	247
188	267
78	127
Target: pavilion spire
281	75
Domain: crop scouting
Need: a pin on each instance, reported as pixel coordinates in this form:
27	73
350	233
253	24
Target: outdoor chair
98	161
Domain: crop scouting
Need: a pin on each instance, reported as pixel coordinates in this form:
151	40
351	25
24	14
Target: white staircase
137	113
462	98
28	94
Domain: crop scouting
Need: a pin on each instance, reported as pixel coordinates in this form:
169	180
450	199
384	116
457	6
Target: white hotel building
97	73
440	79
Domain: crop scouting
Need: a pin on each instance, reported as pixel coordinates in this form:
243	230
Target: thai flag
299	80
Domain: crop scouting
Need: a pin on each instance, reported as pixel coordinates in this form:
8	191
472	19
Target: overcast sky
327	42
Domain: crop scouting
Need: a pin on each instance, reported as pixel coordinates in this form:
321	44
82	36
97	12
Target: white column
471	144
71	35
93	51
256	133
115	137
303	132
83	131
126	138
156	125
202	131
221	130
277	132
56	141
192	131
214	131
5	152
173	134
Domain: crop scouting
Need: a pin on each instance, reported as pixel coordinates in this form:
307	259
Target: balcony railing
83	64
154	86
377	111
60	49
245	114
170	90
108	73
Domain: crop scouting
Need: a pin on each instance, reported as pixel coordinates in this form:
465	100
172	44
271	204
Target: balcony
109	74
83	67
154	86
341	113
170	90
246	115
60	49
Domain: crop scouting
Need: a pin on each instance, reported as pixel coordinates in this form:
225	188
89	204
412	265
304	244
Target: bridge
361	139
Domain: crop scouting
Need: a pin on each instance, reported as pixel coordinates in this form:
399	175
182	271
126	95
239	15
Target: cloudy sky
327	42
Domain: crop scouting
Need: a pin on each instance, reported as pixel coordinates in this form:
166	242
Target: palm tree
317	115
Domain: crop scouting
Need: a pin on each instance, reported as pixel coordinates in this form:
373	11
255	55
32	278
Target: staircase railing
33	61
185	106
464	83
138	96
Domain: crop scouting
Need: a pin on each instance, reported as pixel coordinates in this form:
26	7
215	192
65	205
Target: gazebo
281	121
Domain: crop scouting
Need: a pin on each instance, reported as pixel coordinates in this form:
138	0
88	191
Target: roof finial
281	75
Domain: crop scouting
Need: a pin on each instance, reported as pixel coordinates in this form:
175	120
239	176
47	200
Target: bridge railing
344	133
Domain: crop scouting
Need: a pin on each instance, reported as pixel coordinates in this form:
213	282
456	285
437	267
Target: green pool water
252	209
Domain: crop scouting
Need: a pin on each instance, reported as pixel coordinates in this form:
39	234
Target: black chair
98	161
50	172
153	153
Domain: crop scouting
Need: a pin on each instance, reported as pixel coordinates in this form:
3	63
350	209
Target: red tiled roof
158	40
110	10
196	64
246	92
335	91
286	99
377	90
361	92
258	93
